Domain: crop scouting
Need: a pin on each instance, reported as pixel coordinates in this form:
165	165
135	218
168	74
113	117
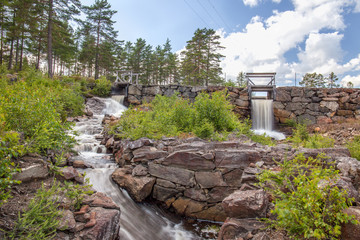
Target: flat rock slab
236	158
36	171
177	175
188	160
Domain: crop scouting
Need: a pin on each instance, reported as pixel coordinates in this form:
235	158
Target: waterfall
137	221
118	98
263	118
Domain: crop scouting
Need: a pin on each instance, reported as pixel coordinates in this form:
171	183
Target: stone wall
317	105
206	180
137	94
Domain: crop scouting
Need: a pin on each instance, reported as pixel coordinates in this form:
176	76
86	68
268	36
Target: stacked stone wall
316	105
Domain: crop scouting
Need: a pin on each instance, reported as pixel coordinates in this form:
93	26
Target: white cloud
353	79
251	3
262	44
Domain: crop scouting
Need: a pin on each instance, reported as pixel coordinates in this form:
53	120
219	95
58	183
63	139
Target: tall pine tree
99	18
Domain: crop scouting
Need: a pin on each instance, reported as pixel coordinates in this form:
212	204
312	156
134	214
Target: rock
80	164
107	225
323	120
68	173
177	175
351	231
139	170
99	199
349	167
67	221
133	100
195	194
233	178
138	188
152	91
294	106
164	183
281	113
217	194
333	106
139	143
236	158
188	160
209	179
239	229
282	95
246	204
31	173
95	105
162	193
109	143
134	90
242	103
213	213
297	92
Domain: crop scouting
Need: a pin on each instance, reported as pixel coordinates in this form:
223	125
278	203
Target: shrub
102	87
307	204
204	130
76	192
40	219
354	147
9	147
262	139
173	116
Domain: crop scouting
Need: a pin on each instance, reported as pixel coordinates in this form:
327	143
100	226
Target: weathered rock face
246	204
98	219
212	180
351	231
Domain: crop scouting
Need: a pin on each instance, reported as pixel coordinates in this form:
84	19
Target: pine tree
313	80
331	79
240	80
99	18
201	60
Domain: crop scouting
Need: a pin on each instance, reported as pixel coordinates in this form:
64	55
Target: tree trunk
97	51
21	51
37	66
17	53
49	39
2	37
11	53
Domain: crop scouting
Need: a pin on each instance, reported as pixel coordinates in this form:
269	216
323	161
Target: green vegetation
307	202
76	192
102	87
302	138
354	147
173	116
41	217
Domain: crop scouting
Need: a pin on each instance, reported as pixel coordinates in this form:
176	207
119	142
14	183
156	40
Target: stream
138	221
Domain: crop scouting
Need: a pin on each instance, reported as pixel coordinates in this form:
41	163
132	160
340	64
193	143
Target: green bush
102	87
77	192
40	219
35	109
307	204
302	138
9	147
354	147
262	139
172	116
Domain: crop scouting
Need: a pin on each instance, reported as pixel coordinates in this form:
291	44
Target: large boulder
246	204
189	160
139	188
30	173
177	175
107	225
239	228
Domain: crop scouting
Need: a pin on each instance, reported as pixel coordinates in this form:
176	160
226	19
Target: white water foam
263	118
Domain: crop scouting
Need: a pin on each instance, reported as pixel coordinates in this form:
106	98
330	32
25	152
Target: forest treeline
64	37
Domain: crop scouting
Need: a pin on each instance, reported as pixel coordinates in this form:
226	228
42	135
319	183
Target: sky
289	37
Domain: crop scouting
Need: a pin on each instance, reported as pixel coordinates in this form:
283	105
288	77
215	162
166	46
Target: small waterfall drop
137	221
263	118
118	98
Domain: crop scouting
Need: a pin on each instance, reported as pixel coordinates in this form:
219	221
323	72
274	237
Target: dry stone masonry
317	105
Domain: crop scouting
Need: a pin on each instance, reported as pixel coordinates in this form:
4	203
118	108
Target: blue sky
282	36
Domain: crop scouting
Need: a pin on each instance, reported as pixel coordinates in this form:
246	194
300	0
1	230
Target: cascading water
138	221
263	118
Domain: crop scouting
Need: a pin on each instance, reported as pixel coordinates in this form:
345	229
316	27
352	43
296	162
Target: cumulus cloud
253	3
262	44
355	80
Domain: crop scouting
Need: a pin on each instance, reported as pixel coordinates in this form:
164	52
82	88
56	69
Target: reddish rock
99	199
139	170
233	178
236	158
246	204
209	179
323	120
138	188
177	175
107	225
345	112
139	143
188	160
80	164
239	229
68	173
162	193
195	194
213	213
67	221
218	194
